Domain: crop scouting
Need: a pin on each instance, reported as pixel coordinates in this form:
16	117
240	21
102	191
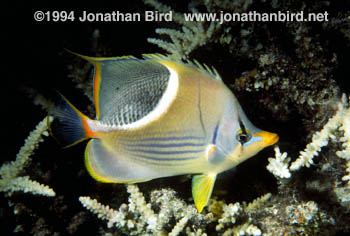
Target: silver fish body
158	117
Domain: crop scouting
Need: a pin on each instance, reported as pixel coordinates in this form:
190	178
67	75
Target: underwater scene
154	117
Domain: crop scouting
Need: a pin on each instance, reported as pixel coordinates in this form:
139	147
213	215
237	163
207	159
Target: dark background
34	57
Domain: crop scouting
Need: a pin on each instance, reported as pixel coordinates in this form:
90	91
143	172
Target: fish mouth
268	138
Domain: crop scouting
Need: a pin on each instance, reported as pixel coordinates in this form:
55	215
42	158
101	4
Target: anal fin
202	187
107	166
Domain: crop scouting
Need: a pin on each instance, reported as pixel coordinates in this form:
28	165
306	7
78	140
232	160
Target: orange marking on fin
88	131
97	83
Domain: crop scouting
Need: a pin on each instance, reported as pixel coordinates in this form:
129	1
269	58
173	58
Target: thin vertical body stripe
199	106
215	134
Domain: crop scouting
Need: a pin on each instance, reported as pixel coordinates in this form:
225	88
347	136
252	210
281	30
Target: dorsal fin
203	67
97	62
131	87
194	63
155	56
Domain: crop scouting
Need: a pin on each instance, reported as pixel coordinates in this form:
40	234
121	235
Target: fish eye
243	136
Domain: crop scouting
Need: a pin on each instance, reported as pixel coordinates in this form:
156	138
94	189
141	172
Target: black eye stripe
241	125
244	136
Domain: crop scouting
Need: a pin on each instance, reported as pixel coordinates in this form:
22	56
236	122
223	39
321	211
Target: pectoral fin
202	187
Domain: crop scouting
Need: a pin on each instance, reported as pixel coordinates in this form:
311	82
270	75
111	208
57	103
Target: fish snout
268	138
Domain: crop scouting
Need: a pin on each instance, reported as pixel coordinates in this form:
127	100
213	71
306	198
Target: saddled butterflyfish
158	117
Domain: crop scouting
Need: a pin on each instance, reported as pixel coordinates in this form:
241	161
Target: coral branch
278	166
193	33
138	216
320	139
9	181
28	186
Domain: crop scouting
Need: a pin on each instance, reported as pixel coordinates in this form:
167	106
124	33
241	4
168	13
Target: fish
158	117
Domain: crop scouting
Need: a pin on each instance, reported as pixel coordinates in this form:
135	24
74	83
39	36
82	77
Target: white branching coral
28	186
105	212
251	230
172	216
231	212
347	177
197	29
138	206
345	153
193	33
179	227
278	166
235	218
137	217
9	172
345	127
258	202
340	121
172	207
321	138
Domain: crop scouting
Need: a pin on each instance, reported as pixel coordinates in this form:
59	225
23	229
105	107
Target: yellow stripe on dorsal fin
154	56
202	187
158	56
96	60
